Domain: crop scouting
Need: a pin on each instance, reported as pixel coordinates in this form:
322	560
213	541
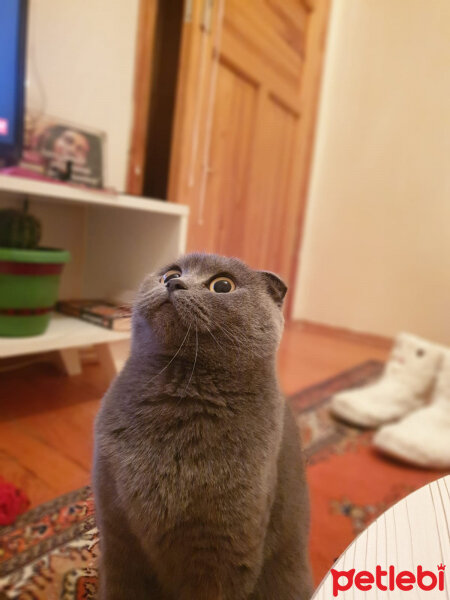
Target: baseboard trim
340	332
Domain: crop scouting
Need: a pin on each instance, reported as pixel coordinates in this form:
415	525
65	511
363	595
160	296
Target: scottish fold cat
199	480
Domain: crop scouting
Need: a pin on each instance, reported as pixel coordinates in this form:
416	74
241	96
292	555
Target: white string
198	110
210	110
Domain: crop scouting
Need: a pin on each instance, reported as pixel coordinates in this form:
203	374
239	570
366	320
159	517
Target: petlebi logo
389	579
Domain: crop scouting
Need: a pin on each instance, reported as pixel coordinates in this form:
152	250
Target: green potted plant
29	275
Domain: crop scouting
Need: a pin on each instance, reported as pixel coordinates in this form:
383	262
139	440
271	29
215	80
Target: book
99	312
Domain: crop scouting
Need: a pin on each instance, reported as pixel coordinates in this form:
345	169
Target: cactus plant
29	275
19	229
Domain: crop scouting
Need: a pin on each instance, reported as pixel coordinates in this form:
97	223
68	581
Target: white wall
82	51
376	248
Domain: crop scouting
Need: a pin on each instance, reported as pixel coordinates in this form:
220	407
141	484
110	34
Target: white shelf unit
63	333
114	240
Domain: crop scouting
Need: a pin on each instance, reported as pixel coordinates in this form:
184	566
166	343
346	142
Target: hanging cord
210	110
195	142
198	107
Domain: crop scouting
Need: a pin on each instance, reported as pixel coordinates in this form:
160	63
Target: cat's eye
222	285
172	274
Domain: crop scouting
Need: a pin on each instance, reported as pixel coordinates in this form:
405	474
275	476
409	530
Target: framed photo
64	151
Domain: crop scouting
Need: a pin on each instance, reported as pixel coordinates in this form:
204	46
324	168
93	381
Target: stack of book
99	312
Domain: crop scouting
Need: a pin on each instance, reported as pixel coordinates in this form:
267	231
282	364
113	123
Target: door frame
199	35
143	72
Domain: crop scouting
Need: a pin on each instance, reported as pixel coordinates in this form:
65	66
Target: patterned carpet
51	551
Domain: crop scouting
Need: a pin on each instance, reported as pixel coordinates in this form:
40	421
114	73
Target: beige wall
82	52
376	249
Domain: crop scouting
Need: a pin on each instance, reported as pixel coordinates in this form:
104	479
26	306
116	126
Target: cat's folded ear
275	286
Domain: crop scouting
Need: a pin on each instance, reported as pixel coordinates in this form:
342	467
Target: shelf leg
70	360
106	358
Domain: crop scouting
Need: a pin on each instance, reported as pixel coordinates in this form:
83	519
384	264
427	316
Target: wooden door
246	100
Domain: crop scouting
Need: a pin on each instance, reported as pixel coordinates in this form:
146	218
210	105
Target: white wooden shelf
63	332
114	240
68	193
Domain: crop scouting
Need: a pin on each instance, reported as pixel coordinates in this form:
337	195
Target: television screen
12	57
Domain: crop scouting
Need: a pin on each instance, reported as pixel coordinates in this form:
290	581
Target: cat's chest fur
179	458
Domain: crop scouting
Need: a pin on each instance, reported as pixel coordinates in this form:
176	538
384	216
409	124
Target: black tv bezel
10	154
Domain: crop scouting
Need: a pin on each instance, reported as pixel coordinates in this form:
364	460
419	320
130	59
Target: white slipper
423	437
406	381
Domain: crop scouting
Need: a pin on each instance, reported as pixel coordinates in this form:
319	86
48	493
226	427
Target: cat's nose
176	284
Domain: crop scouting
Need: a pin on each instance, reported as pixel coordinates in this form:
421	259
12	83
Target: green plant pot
29	281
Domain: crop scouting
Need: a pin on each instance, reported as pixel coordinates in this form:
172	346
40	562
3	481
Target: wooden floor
46	418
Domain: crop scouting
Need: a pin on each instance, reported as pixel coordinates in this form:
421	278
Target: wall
81	68
376	248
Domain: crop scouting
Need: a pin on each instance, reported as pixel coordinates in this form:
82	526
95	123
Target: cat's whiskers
234	339
173	357
193	366
213	336
227	333
244	341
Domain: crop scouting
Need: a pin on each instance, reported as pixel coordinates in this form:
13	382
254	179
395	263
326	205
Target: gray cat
199	479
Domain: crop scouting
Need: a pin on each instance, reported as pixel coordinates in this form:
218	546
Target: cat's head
231	308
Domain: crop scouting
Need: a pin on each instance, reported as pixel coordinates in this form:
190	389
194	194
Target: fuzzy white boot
407	379
423	437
